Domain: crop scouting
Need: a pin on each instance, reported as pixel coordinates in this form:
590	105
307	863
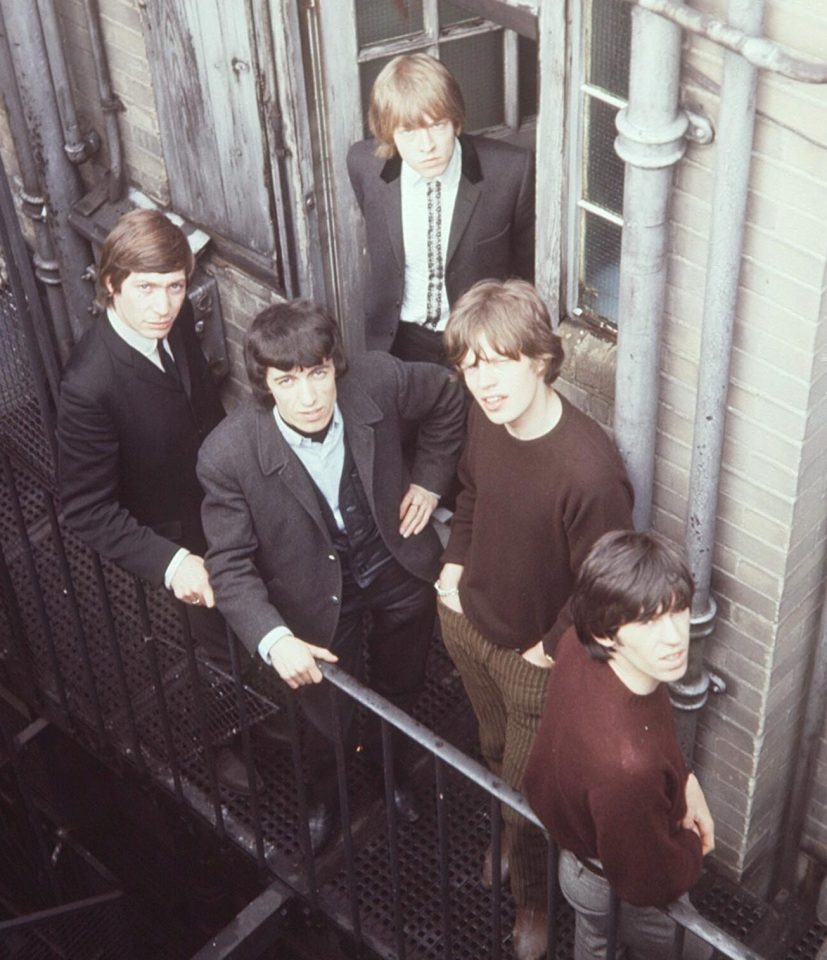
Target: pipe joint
701	625
85	148
47	271
34	206
654	148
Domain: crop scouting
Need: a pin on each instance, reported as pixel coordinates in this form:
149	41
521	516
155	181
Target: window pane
528	77
477	63
607	46
368	72
602	168
450	13
600	267
387	19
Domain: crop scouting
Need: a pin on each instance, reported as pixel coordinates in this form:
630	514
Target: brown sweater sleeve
647	861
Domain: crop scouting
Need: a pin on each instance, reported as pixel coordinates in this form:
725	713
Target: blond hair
410	88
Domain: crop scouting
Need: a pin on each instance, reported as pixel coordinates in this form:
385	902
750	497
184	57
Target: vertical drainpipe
736	123
60	180
33	206
651	141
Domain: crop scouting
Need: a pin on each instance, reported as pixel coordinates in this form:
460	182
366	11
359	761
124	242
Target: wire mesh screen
606	50
92	930
22	428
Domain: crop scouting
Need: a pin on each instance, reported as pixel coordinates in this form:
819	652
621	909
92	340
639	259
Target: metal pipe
651	141
110	104
60	180
77	146
736	124
760	52
46	265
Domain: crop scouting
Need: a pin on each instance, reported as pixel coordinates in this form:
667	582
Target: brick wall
123	35
768	560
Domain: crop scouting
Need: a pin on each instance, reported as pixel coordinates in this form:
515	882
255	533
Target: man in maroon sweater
541	482
606	775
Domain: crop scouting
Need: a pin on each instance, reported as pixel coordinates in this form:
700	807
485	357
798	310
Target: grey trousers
645	932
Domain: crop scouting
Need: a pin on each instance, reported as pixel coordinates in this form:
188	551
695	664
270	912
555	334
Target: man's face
652	652
305	396
150	302
510	392
427	148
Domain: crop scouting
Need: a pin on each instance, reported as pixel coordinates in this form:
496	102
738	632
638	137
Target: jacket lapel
179	351
468	194
360	412
391	193
276	457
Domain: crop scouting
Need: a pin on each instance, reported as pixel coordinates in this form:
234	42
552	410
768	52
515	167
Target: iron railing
114	664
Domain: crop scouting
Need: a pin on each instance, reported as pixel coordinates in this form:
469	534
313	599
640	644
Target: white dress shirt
415	236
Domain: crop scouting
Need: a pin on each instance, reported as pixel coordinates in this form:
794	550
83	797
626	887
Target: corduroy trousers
507	694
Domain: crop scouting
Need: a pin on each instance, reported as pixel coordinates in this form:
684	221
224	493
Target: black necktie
168	363
434	304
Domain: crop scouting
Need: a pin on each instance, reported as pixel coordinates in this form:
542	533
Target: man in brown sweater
541	482
606	775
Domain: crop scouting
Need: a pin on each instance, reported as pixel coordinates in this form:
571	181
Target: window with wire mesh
597	191
496	69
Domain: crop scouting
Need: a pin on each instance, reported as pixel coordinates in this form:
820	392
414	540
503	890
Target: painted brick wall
769	552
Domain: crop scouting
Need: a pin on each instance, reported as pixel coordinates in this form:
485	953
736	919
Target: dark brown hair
295	333
142	241
627	577
513	319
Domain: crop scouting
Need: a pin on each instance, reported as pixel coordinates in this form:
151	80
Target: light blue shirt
324	462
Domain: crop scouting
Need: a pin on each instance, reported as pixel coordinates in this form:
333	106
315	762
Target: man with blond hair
442	209
541	482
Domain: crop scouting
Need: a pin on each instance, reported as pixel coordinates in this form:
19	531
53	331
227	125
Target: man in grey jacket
313	518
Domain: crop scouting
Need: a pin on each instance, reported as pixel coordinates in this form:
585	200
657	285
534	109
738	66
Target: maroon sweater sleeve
647	861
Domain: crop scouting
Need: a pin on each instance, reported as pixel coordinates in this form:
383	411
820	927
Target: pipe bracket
700	129
80	152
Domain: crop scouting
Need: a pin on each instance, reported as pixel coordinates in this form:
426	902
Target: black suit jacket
492	228
271	558
127	447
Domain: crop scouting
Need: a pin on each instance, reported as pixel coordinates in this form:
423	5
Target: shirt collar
296	439
449	176
146	346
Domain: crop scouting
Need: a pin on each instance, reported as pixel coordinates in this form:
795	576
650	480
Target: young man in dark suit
136	401
314	520
442	209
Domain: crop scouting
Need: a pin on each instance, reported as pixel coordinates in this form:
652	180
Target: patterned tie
168	363
435	271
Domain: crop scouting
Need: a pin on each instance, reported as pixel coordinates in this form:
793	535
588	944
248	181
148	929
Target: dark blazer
271	558
127	447
492	228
